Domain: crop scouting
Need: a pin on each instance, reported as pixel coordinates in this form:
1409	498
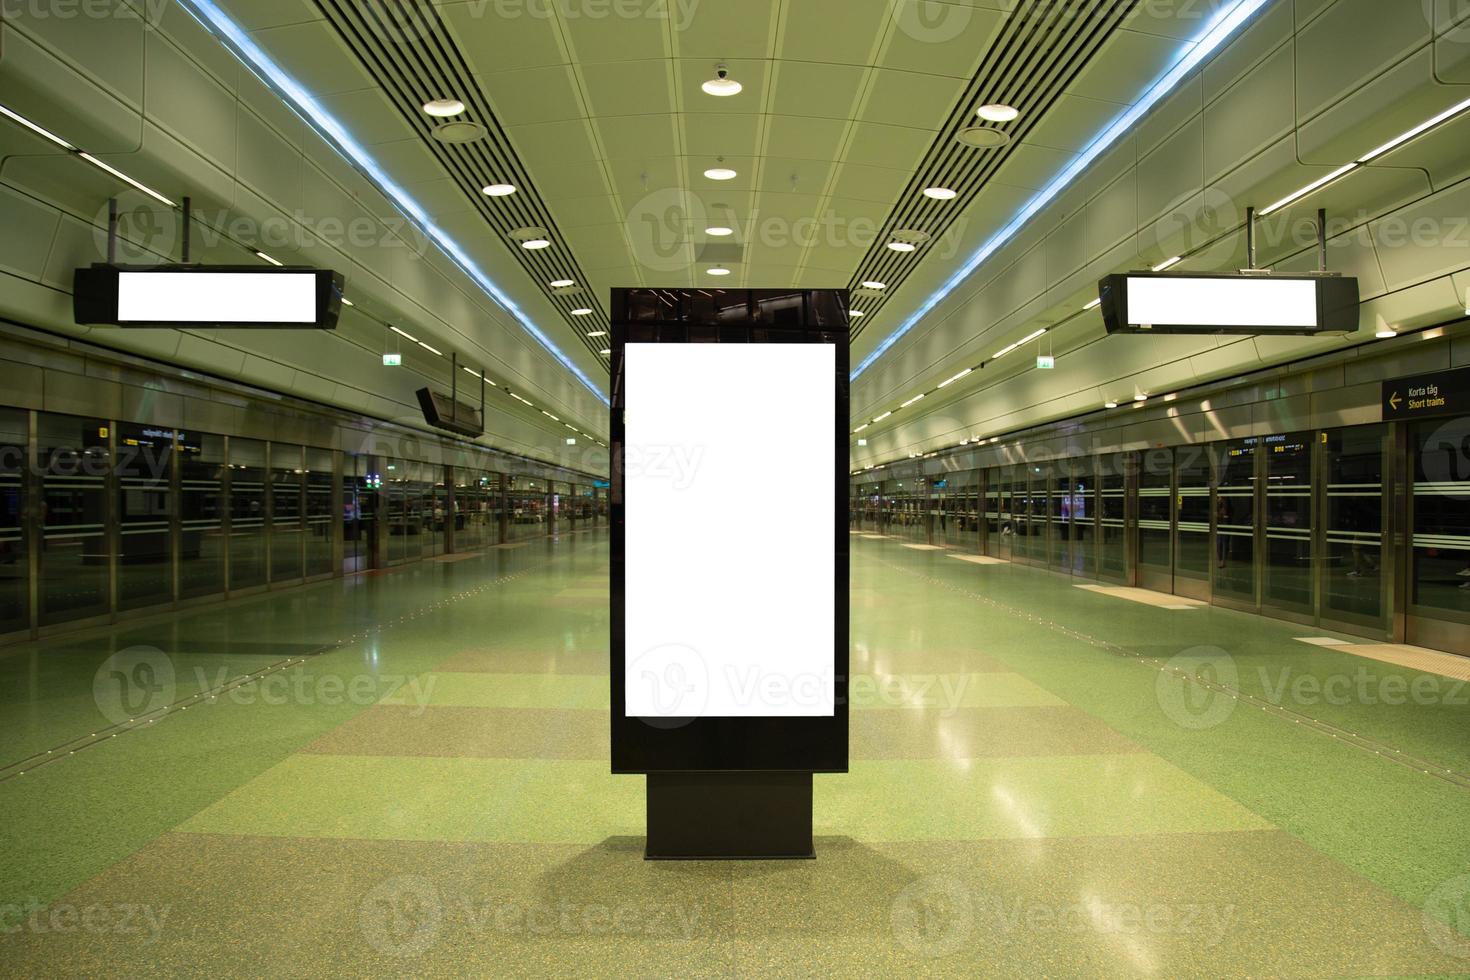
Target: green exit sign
392	360
1046	362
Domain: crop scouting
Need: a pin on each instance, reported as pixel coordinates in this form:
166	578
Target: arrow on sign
1394	401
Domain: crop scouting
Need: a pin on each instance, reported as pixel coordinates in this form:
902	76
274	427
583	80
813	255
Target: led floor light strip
239	43
1216	33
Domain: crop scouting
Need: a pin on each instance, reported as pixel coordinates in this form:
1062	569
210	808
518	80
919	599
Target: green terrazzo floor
1045	781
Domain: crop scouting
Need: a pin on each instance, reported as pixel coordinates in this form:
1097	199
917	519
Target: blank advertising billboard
729	563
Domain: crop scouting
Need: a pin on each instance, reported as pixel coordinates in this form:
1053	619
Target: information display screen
729	584
217	297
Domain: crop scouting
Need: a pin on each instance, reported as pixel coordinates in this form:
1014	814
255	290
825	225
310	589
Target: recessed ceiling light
996	112
534	243
856	313
562	283
444	108
1386	334
459	131
941	193
720	173
1110	404
983	137
718	270
581	311
1168	263
498	190
597	333
902	246
275	262
874	284
722	84
1140	397
605	351
719	231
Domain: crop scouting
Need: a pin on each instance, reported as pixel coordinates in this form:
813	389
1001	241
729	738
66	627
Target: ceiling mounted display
1244	303
207	296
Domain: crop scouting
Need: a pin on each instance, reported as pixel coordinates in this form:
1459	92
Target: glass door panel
1192	476
202	506
75	460
1440	574
1112	524
321	522
145	573
1156	520
15	566
247	513
1352	581
1235	522
287	518
1288	565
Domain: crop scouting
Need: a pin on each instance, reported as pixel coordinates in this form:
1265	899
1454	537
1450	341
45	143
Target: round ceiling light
874	284
719	231
444	108
582	311
718	270
856	313
562	283
498	190
982	138
535	243
720	173
902	246
996	112
722	85
940	193
459	132
605	351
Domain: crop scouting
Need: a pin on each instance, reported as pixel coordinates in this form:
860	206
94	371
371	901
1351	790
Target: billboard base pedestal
710	816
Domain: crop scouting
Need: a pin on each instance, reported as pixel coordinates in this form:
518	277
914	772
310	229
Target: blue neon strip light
235	38
1216	33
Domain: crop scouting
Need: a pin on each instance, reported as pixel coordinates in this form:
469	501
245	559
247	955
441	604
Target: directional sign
1427	395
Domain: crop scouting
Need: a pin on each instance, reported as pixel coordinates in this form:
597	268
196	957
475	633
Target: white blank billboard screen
729	511
217	297
1185	302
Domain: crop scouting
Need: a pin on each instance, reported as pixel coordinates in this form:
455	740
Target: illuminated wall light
520	399
431	350
946	384
347	302
1168	263
1387	333
861	428
1310	188
235	37
1110	404
38	130
1195	51
1024	340
1092	306
1418	130
275	262
550	416
880	418
1140	397
911	401
404	333
126	179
